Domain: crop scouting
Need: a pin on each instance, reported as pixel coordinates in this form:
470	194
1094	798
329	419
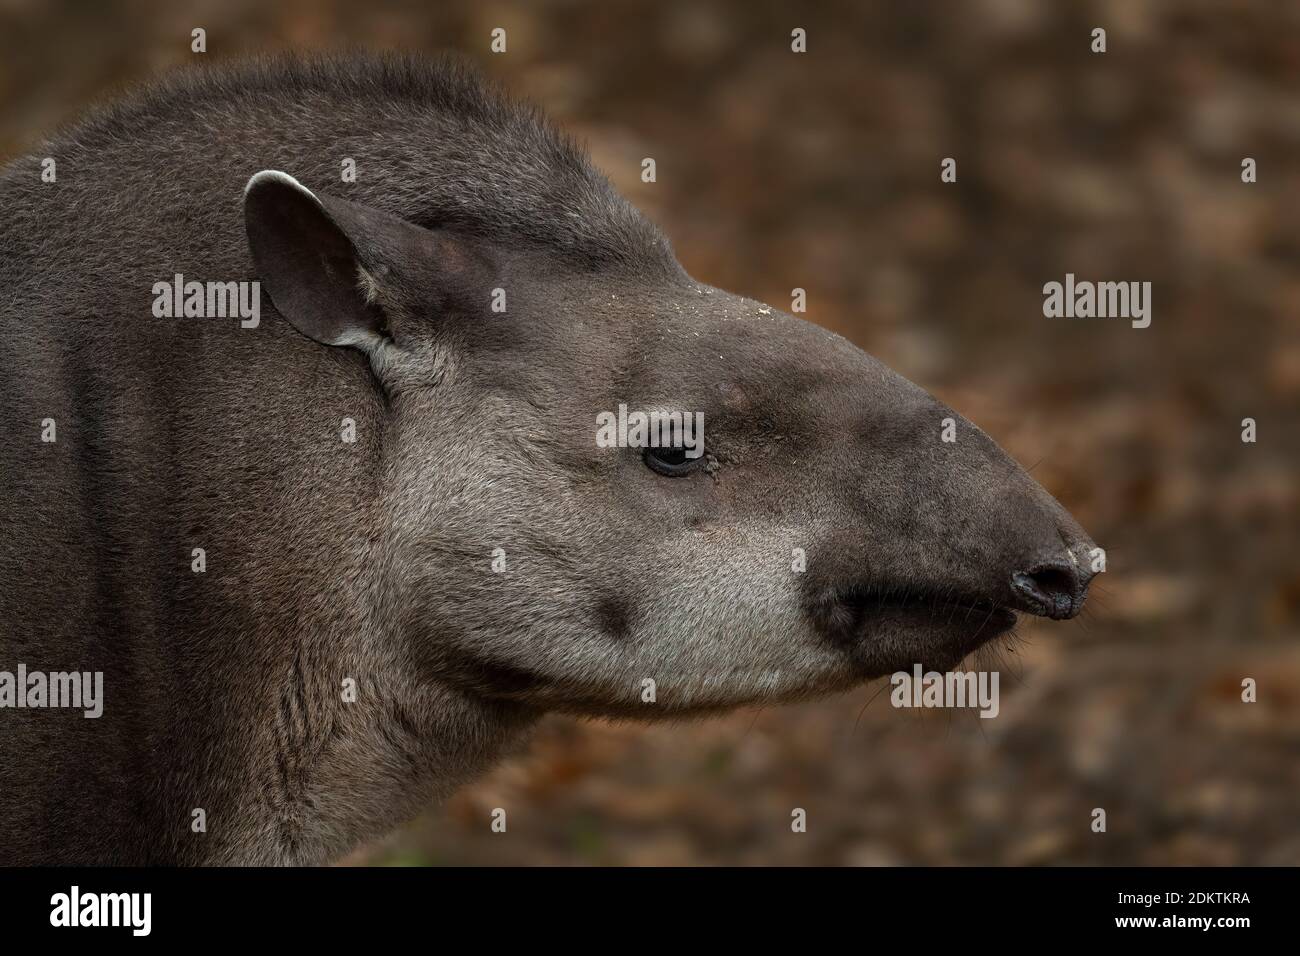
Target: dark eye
672	462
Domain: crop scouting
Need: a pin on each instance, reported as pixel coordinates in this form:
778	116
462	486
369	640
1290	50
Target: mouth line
940	608
886	630
884	627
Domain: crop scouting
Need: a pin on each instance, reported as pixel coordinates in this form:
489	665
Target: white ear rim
375	347
275	175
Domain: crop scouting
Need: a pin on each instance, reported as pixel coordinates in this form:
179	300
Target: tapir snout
949	537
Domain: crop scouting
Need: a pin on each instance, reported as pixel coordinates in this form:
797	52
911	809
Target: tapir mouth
890	628
989	618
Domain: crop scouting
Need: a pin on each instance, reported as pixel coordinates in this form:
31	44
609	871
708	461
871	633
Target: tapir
335	538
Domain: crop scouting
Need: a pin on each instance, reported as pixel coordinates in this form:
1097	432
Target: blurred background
821	170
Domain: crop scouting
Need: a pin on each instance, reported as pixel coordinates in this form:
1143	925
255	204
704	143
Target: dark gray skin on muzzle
826	535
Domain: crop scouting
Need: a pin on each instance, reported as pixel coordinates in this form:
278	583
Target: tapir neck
356	772
226	580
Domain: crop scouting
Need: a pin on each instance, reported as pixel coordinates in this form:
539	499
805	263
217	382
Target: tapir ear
305	249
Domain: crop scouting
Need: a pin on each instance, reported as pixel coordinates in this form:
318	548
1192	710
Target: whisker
868	704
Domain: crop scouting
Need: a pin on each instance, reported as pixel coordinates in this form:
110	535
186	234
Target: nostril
1055	581
1053	590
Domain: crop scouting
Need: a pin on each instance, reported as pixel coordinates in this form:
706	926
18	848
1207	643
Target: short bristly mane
433	142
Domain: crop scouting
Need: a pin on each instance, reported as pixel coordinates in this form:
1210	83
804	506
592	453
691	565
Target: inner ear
306	256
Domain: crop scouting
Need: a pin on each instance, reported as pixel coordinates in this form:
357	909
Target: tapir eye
672	462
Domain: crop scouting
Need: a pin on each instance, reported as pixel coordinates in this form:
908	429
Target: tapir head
817	520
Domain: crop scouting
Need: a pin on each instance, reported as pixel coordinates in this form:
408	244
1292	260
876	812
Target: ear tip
276	177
